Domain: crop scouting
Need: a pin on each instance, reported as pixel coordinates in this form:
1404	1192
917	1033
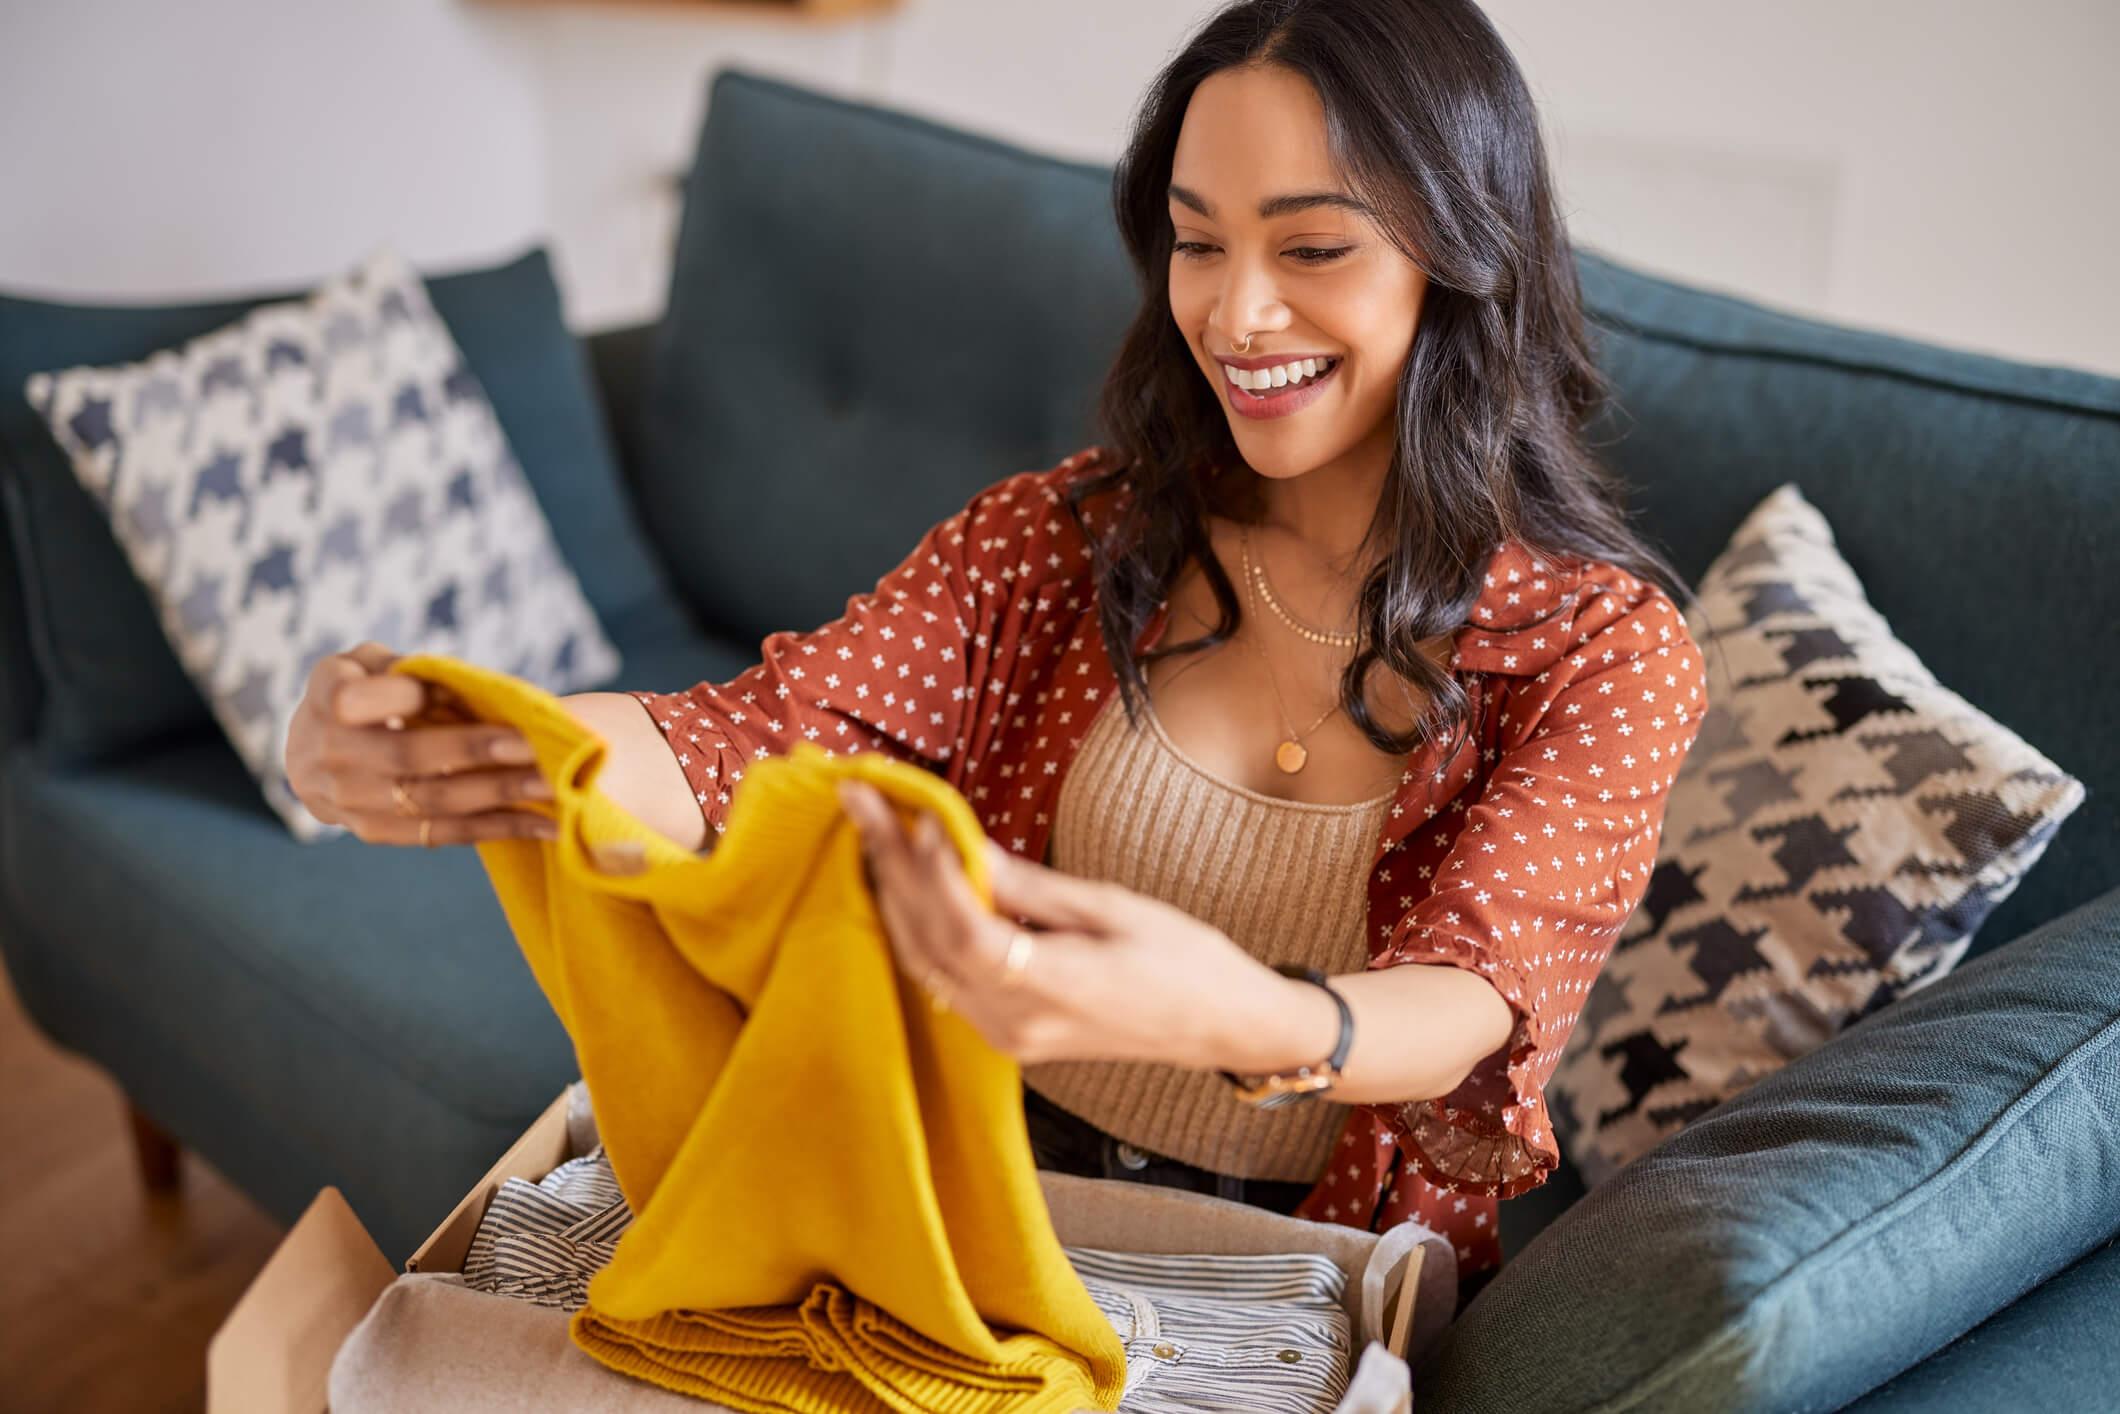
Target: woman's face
1268	241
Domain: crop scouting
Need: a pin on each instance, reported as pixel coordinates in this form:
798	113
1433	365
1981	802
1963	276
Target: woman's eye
1308	254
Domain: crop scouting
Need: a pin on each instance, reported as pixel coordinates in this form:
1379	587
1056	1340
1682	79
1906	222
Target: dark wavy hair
1431	123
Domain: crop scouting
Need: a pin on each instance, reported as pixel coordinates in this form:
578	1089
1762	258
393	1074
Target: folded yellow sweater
835	1205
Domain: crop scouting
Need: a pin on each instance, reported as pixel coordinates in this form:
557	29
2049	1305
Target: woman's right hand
361	730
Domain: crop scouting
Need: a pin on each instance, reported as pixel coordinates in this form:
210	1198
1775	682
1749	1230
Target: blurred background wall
1938	168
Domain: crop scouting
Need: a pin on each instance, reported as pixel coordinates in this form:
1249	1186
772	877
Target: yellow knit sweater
835	1205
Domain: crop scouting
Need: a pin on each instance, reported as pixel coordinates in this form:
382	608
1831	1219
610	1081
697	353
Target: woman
1397	694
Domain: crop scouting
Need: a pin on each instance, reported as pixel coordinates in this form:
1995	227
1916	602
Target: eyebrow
1284	205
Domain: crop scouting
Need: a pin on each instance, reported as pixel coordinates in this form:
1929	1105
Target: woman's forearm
1419	1029
640	772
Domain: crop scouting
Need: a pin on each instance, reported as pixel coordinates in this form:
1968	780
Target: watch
1307	1081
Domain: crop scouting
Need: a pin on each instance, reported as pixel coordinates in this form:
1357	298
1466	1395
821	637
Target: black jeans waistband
1067	1143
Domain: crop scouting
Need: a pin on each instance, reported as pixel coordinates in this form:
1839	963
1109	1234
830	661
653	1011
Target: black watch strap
1311	974
1320	1077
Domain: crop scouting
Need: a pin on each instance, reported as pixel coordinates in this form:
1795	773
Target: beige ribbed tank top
1286	880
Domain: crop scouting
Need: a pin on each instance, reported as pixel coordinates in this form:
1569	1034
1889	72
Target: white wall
623	90
151	148
1940	168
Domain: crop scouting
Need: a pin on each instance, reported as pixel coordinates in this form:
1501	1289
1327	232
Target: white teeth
1284	375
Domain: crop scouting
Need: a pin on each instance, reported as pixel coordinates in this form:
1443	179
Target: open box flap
273	1354
543	1147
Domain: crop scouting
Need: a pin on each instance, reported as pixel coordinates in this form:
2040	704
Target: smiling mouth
1275	401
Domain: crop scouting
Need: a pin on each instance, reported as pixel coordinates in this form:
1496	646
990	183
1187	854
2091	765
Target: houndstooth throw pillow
1841	827
320	472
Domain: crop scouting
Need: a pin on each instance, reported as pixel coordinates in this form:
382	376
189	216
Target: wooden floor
108	1294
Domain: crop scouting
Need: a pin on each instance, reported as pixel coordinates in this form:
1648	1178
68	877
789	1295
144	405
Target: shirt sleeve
1551	860
900	671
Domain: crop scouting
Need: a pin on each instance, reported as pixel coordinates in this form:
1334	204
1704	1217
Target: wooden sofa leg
157	1151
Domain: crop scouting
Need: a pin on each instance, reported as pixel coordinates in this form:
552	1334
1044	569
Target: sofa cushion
318	473
110	678
2054	1347
1838	834
335	1013
1840	1220
851	346
1975	498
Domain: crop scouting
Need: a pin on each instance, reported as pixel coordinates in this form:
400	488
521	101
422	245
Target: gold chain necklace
1256	571
1290	754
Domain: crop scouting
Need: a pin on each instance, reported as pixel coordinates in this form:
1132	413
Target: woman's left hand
1114	975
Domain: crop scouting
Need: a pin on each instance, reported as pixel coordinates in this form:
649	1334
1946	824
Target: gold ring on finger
936	999
1018	960
406	805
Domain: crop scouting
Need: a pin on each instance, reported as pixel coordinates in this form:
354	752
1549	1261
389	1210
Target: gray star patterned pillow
320	472
1841	827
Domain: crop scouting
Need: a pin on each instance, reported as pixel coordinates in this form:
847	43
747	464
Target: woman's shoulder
1535	606
1020	528
1086	465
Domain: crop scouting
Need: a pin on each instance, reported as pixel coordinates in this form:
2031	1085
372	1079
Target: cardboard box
273	1354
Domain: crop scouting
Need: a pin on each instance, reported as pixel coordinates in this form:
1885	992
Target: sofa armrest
2051	1349
1840	1221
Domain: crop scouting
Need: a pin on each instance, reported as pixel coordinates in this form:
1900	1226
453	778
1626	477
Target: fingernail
513	748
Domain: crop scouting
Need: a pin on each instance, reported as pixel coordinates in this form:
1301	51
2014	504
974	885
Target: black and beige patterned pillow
1840	829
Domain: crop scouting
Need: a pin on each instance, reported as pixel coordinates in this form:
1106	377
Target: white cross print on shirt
915	653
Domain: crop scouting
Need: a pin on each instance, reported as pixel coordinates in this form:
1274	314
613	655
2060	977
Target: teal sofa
871	316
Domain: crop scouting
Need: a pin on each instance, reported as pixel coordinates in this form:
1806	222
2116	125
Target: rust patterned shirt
1519	858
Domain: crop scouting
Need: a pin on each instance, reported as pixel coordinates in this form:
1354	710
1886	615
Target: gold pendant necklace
1290	754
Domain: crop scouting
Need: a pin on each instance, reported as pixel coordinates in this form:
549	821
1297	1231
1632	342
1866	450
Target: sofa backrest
1977	499
872	315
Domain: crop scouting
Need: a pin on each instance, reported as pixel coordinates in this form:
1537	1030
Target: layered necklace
1290	754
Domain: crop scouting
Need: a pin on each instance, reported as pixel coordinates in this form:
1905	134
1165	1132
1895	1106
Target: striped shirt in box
1198	1329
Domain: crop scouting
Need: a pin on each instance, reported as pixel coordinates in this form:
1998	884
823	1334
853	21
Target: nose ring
1247	345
